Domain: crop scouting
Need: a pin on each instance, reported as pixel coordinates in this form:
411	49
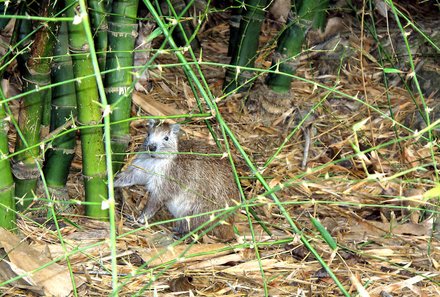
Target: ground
362	187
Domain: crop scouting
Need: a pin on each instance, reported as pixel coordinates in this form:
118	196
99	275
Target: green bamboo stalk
36	73
234	27
245	52
46	115
311	14
122	24
89	114
107	145
98	18
7	185
7	202
24	28
61	152
185	32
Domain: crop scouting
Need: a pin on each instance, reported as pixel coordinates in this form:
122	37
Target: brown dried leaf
378	228
163	255
54	279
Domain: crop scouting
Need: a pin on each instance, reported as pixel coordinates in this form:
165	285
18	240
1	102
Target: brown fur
186	184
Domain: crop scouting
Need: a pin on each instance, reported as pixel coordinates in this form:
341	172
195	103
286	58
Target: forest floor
372	203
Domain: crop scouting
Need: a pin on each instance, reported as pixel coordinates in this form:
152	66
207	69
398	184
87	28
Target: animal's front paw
141	219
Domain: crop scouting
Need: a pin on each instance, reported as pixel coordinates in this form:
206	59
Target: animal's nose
152	147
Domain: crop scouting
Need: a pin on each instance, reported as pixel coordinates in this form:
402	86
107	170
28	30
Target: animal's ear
151	123
175	128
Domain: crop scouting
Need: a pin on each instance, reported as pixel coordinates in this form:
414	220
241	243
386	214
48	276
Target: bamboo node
25	171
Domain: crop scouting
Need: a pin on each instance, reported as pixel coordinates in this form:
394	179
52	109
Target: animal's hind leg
149	211
182	227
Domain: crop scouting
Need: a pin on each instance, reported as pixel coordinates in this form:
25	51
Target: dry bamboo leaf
153	107
148	104
408	283
89	235
410	157
275	181
253	265
359	287
380	252
54	279
163	255
217	261
190	101
9	271
167	89
374	228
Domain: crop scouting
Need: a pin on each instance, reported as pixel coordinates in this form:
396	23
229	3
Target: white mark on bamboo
122	90
107	110
77	19
105	204
134	33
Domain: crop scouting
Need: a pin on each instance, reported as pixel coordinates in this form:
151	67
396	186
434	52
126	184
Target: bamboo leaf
391	70
325	235
432	193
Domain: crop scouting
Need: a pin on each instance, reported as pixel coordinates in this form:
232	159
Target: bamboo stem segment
244	53
36	73
7	202
89	114
311	15
60	154
122	34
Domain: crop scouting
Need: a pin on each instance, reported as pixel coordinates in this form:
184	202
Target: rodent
186	184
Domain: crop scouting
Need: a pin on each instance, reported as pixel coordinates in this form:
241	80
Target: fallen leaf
53	278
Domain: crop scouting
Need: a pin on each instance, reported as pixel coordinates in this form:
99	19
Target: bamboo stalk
184	31
7	185
89	114
245	52
99	22
36	73
60	154
311	14
7	202
122	33
234	27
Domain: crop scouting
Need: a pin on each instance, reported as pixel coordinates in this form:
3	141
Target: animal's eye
166	138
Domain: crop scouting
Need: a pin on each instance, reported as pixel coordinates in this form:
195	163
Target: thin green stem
107	141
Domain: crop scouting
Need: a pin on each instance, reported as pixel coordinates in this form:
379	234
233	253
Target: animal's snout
152	147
